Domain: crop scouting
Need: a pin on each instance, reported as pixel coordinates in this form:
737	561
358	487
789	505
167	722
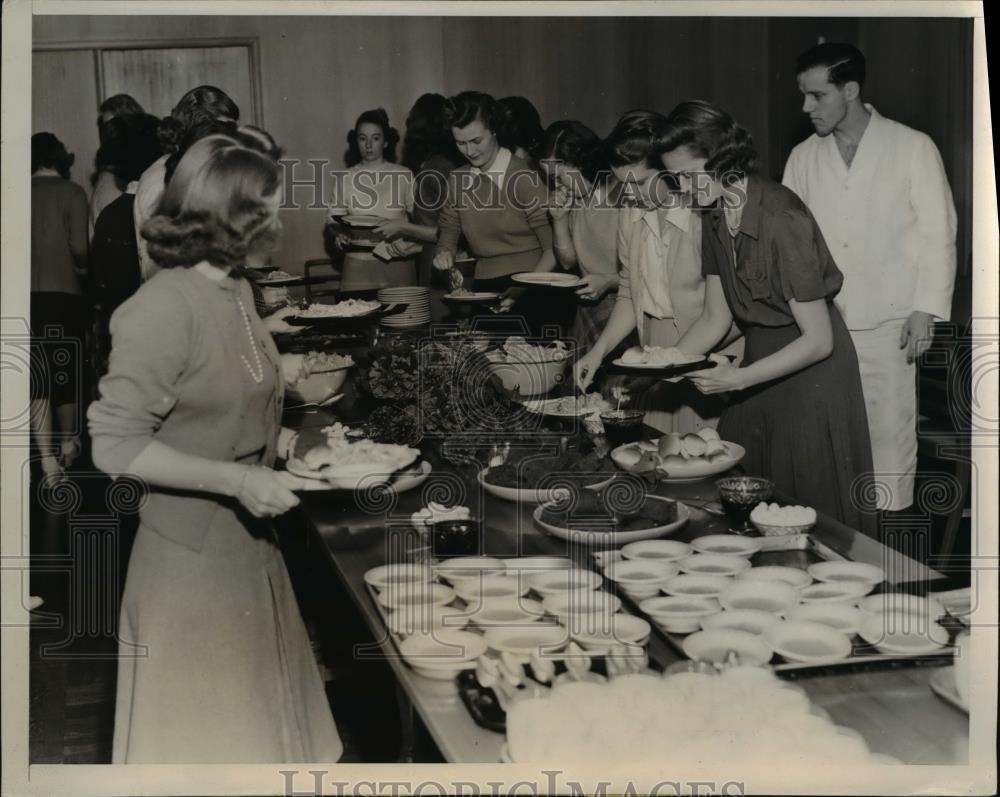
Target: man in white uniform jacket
879	192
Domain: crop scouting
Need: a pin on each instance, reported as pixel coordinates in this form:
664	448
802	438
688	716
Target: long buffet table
893	708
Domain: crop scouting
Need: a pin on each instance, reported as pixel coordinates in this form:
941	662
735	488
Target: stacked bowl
418	307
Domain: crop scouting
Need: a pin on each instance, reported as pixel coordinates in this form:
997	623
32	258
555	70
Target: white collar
213	273
499	167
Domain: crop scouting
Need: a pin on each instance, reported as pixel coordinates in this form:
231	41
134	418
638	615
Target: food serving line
893	686
892	707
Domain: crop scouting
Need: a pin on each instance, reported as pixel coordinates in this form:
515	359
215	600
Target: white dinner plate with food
856	572
902	633
348	308
810	643
656	358
471	297
519	495
277	280
614	537
727	544
548	279
569	406
675	468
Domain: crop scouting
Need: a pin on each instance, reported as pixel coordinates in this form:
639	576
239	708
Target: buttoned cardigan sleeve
931	199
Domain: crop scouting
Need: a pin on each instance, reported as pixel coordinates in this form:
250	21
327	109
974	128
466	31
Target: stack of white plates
418	306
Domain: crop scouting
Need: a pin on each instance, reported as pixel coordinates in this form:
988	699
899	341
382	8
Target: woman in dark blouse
795	403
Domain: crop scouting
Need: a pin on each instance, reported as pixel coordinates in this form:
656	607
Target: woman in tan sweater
498	203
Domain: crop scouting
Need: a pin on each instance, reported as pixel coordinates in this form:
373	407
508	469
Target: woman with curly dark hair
107	183
521	132
373	185
191	406
202	111
795	403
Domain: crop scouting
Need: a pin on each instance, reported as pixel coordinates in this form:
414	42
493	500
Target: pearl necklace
258	374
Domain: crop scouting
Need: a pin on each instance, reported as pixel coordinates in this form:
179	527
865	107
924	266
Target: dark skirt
808	432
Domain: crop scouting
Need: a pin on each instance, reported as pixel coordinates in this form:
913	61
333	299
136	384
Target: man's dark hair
844	62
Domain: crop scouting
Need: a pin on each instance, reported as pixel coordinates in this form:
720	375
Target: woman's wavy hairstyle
48	151
471	106
130	146
379	117
199	107
116	106
711	133
573	143
427	133
216	206
522	126
631	141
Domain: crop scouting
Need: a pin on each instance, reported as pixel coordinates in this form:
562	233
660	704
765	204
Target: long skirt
215	664
808	432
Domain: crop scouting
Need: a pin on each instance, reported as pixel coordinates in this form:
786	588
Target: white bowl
903	633
840	617
475	591
442	654
679	615
424	619
834	592
691	585
713	564
508	613
714	646
532	564
464	568
662	550
776	597
543	640
790	575
317	388
549	582
638	577
404	596
728	544
847	572
928	608
402	573
808	642
751	621
623	629
581	602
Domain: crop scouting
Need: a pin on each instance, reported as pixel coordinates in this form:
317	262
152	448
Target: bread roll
708	434
715	447
694	445
673	461
669	445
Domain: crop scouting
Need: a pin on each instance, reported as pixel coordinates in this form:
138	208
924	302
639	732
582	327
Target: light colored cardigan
679	245
506	229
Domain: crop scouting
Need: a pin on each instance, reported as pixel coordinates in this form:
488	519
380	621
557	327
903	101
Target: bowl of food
577	602
623	426
560	581
661	550
417	594
403	573
773	520
794	576
714	564
543	641
727	544
320	385
361	229
475	591
469	568
677	614
528	369
507	612
750	621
